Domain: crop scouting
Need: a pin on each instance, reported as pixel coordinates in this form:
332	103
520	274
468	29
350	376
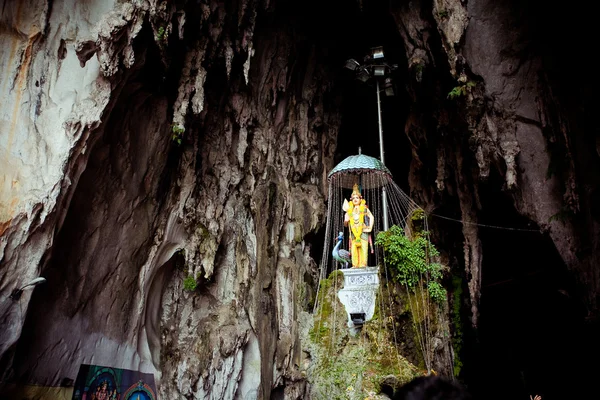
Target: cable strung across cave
485	225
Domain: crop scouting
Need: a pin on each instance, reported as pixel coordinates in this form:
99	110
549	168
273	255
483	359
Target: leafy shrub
411	259
460	90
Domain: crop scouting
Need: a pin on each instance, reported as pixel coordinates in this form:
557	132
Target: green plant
411	259
436	291
177	133
443	14
461	90
160	34
190	284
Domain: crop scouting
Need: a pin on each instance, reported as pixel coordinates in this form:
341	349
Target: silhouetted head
432	388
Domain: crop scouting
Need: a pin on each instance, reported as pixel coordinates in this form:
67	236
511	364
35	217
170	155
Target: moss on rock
349	366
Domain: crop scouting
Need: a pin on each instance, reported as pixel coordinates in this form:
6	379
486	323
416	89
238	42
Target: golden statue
360	221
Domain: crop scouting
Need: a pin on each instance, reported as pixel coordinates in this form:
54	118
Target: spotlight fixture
352	64
379	70
375	66
16	294
377	52
363	74
388	87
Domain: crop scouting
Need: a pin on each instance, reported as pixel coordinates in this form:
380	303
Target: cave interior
532	336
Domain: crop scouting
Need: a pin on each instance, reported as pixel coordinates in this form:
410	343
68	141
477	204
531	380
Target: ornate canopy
366	170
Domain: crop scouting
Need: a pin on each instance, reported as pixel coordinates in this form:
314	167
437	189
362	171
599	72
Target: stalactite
123	24
191	84
472	244
452	20
510	149
441	169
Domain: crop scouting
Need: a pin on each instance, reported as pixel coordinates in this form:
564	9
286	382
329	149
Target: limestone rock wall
494	101
537	134
50	104
150	142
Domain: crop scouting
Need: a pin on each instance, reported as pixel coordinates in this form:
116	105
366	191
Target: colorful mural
95	382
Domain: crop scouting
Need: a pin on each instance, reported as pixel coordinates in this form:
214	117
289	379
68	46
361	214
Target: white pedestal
359	292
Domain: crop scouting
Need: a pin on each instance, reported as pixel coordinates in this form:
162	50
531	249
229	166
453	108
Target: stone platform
359	294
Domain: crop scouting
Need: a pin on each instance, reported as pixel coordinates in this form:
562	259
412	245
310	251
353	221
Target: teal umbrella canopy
368	171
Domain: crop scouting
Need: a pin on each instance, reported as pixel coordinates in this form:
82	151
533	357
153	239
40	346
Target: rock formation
147	143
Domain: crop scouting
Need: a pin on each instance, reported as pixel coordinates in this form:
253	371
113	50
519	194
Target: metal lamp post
375	67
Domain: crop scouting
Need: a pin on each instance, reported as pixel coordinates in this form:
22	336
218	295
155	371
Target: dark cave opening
342	31
532	338
360	120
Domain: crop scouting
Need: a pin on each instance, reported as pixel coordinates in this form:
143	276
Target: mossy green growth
383	358
337	377
190	284
457	334
424	317
416	302
358	371
202	231
353	366
417	215
326	296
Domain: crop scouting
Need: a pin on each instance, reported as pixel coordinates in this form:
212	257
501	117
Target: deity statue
104	393
359	221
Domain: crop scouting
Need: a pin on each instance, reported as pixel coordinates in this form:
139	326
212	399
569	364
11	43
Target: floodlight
379	70
388	87
363	75
377	52
352	64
